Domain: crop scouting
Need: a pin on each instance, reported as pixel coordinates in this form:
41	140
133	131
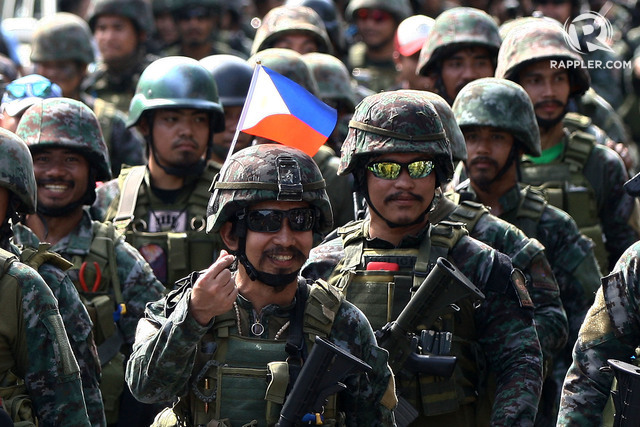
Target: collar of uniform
510	200
78	242
410	241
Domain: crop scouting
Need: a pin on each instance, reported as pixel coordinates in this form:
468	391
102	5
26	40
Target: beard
546	124
482	179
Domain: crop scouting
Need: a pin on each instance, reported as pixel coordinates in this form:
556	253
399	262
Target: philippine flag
281	110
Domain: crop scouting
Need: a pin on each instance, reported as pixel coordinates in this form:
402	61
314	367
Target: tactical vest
382	294
565	186
236	377
13	390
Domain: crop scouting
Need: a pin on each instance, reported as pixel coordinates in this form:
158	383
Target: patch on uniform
520	285
597	323
167	220
157	259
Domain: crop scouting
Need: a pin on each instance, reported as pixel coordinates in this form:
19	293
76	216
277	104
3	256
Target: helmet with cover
289	63
538	40
284	20
328	12
138	11
176	82
232	75
451	128
500	104
266	172
16	172
454	29
333	79
63	36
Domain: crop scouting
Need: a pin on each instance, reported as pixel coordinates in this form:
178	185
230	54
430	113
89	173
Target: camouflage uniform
453	30
35	347
65	36
117	86
603	209
500	331
170	354
171	253
284	20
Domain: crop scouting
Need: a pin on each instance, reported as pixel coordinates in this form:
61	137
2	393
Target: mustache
548	102
180	141
403	195
483	159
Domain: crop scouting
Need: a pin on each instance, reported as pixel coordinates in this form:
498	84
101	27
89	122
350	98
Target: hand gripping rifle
444	286
626	399
319	378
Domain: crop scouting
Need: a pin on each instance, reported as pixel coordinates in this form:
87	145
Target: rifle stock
320	377
625	400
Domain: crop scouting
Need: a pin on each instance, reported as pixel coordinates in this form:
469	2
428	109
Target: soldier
253	316
21	94
113	279
399	156
166	31
290	64
577	175
161	208
610	331
461	46
371	58
39	375
499	125
61	50
120	28
292	27
233	78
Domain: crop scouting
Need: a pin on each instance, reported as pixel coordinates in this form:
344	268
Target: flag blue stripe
304	105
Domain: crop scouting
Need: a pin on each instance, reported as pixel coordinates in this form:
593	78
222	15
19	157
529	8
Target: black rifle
632	187
443	287
626	399
319	378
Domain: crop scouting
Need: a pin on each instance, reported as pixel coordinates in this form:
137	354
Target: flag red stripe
289	130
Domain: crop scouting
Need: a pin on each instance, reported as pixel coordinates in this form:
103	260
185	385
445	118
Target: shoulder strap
532	205
322	305
445	235
199	197
103	248
469	213
578	150
6	259
128	197
575	121
34	258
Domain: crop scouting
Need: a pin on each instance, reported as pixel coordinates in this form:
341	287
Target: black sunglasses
392	170
270	220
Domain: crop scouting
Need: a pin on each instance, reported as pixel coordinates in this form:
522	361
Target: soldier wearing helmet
576	173
120	28
112	278
399	154
166	31
462	46
371	58
61	50
160	207
498	121
40	375
410	36
233	78
332	19
248	309
298	28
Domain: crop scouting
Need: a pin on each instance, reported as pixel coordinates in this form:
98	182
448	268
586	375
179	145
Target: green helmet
138	11
64	122
63	36
283	20
537	40
396	122
400	9
456	28
16	171
176	82
289	63
332	77
268	172
501	104
451	128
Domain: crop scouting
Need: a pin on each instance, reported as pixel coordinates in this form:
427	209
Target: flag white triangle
265	101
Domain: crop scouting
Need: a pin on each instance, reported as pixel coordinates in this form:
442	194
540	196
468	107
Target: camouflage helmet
268	172
400	9
162	6
328	12
176	82
65	122
283	20
501	104
289	63
232	75
16	171
138	11
332	77
63	36
537	40
456	28
396	122
451	128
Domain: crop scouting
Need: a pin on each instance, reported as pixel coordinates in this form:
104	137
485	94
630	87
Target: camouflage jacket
505	328
165	349
78	326
610	331
137	282
36	348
